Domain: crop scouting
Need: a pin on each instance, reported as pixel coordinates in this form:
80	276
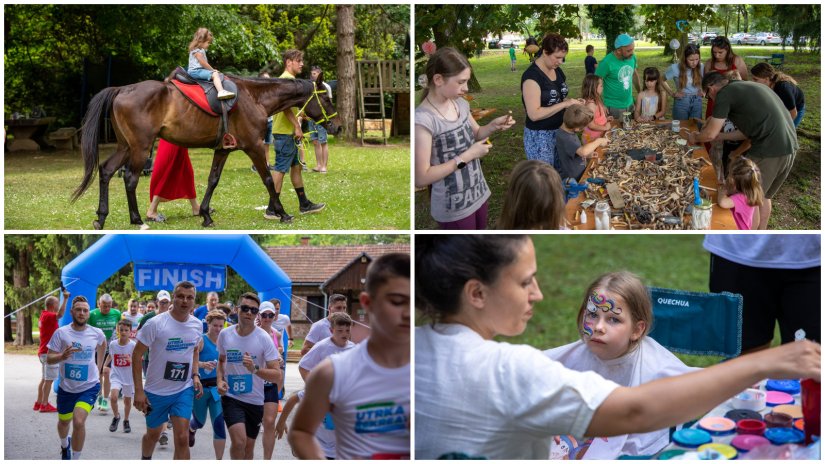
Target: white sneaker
225	95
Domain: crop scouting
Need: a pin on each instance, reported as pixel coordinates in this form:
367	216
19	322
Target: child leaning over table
613	322
742	193
571	154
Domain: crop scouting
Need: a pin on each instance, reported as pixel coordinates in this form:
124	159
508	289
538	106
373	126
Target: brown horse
149	109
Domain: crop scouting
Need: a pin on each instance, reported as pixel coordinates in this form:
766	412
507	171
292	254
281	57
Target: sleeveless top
709	109
552	92
600	118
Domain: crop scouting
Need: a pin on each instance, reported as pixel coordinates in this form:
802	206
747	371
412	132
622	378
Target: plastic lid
791	387
670	454
740	414
691	438
775	398
793	410
717	425
727	451
750	427
799	424
783	436
745	443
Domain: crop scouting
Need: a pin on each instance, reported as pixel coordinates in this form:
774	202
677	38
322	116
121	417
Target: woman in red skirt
172	179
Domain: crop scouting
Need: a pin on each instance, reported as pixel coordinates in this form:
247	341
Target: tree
660	22
345	26
799	21
612	20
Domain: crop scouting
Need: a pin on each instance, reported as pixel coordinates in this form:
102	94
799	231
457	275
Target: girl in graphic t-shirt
613	321
745	188
449	144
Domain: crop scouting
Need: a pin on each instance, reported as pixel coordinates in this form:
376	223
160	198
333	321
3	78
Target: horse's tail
90	136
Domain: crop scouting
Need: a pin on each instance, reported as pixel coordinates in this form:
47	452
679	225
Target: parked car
763	38
505	43
707	37
493	43
693	39
802	40
737	38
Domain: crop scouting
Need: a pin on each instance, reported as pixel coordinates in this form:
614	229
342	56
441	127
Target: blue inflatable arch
97	263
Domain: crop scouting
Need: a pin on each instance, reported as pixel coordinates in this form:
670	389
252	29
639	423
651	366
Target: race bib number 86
176	371
77	372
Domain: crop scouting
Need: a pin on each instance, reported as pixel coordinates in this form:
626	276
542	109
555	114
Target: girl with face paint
613	320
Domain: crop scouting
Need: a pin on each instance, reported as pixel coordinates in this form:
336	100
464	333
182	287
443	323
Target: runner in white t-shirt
74	346
367	388
321	329
246	357
338	341
120	358
282	322
168	393
133	316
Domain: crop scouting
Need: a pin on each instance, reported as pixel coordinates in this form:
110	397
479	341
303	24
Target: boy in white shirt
338	341
120	358
367	388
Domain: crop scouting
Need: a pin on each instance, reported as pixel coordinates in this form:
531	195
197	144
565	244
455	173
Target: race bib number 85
239	384
176	371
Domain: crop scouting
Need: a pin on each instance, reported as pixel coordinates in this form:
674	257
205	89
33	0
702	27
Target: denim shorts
68	402
268	134
164	406
201	74
286	152
320	133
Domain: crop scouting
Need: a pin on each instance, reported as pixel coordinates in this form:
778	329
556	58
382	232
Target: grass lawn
568	263
367	188
796	206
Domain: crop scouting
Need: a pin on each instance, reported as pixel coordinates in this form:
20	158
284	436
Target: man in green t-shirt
760	116
617	70
286	129
104	318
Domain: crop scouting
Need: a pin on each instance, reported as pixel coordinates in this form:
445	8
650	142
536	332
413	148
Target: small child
120	357
744	183
613	321
513	57
534	198
366	388
651	103
199	67
590	63
570	152
592	88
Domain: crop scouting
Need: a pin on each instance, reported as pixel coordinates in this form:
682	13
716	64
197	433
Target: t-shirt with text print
172	344
243	384
122	361
78	373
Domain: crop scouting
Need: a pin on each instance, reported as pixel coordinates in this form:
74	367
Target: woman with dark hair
544	90
480	398
785	88
723	60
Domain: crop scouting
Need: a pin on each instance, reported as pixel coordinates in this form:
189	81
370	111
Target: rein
315	96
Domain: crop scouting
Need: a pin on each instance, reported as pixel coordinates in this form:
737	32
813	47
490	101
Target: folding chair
777	60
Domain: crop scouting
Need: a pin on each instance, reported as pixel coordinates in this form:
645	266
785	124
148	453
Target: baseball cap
164	295
267	306
623	40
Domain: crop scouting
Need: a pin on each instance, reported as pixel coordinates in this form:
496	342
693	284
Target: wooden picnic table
29	134
759	57
722	219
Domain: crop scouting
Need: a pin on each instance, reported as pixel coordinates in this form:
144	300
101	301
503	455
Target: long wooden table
722	219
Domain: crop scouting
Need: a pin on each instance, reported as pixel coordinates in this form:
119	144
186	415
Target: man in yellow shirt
286	129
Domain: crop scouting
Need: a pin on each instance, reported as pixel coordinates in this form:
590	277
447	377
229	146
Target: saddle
204	96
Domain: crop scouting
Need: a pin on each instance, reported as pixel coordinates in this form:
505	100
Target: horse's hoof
208	222
97	225
144	227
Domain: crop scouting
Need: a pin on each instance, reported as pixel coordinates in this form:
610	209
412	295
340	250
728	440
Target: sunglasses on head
267	315
248	309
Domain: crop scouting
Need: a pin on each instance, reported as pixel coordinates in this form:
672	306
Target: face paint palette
717	425
784	436
793	410
751	399
727	451
691	438
775	398
791	387
778	420
745	443
740	414
750	427
799	424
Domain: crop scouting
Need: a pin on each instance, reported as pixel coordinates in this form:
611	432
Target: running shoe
48	408
66	453
126	427
191	438
104	405
115	423
36	406
311	207
164	439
